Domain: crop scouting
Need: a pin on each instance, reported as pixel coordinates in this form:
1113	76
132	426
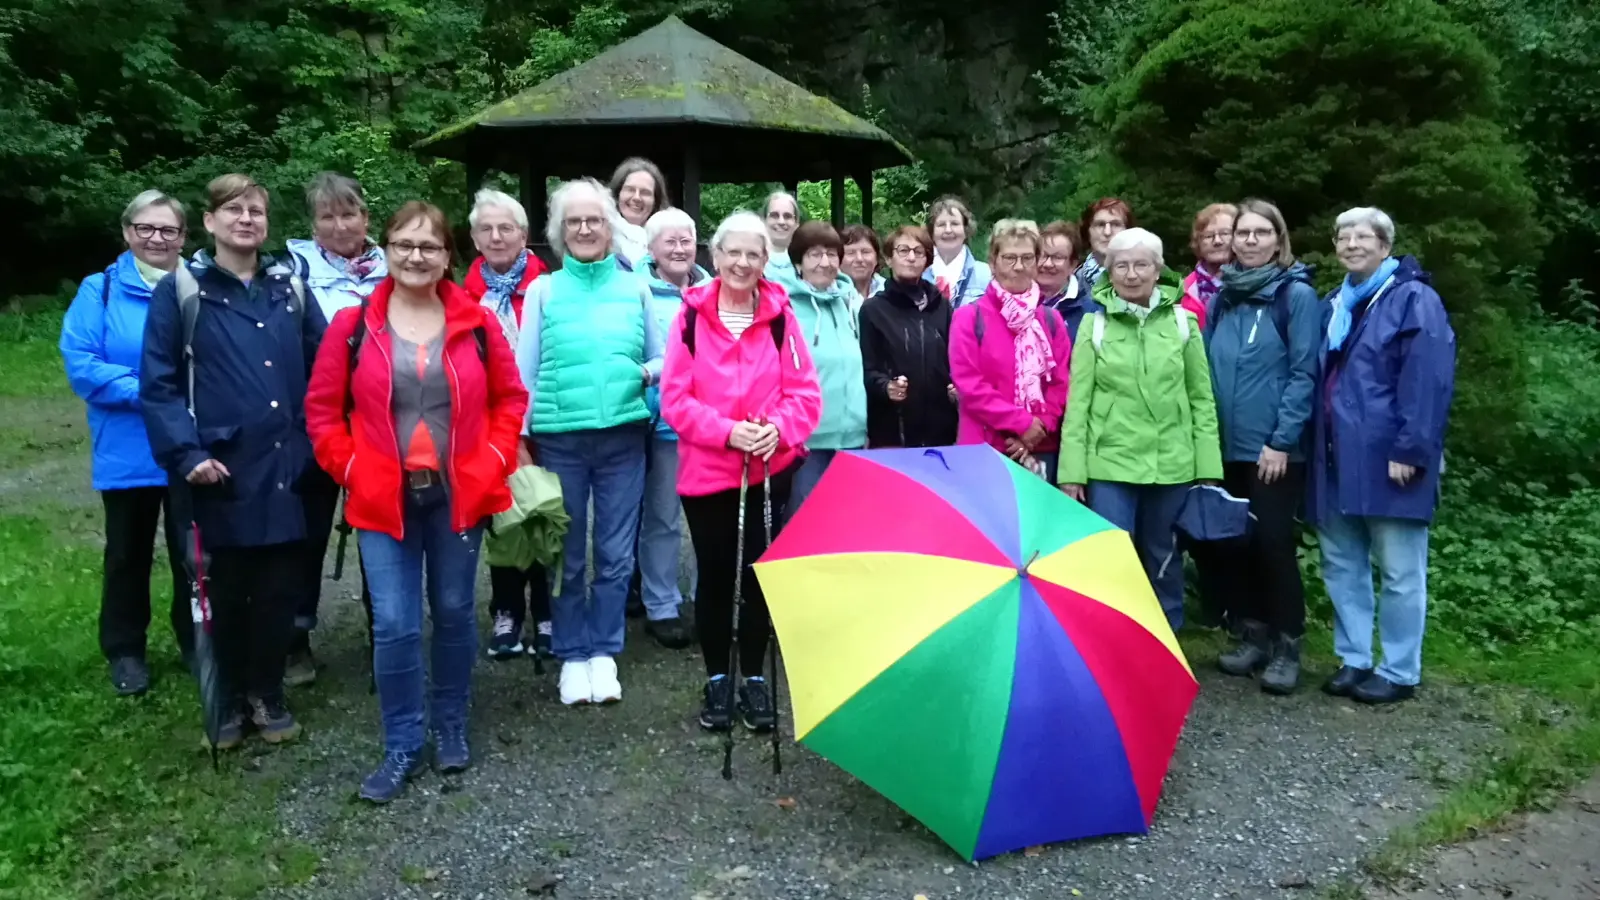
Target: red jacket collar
461	312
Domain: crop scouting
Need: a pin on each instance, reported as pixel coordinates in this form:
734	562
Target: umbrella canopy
214	696
979	648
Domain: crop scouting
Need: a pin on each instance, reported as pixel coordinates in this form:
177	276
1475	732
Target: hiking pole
772	634
738	602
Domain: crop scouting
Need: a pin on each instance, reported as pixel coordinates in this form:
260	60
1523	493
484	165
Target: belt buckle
419	479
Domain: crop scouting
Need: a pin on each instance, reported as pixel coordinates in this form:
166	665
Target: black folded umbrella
215	704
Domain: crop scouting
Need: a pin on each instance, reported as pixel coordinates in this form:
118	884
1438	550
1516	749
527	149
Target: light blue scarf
499	288
1352	295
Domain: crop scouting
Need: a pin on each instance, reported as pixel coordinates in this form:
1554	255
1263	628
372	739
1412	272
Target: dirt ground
1544	856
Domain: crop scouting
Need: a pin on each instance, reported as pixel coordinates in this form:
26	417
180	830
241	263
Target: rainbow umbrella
977	647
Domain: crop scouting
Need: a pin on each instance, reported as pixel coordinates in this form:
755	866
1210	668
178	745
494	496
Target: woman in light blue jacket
341	267
669	269
102	338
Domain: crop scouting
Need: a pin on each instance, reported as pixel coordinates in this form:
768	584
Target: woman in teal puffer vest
588	349
824	303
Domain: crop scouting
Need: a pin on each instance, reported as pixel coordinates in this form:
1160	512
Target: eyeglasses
502	230
167	232
1137	267
1057	258
1017	260
579	223
781	217
907	251
1259	234
752	257
678	243
1355	237
239	211
1217	237
404	249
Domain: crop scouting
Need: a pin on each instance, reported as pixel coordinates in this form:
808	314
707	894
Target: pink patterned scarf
1034	356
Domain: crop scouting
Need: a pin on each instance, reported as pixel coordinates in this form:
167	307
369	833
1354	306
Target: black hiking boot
755	705
669	633
1282	674
1250	654
130	677
716	713
1344	682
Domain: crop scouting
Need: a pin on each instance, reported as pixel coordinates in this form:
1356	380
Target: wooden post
793	187
864	181
476	173
837	201
689	193
535	201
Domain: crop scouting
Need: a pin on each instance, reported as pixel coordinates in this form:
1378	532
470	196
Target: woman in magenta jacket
739	388
1009	356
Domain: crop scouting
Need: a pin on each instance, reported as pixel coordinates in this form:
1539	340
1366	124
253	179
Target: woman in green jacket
825	303
1141	423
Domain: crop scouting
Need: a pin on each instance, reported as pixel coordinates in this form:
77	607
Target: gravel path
1266	798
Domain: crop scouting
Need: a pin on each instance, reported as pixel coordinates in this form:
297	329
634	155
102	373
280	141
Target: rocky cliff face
954	81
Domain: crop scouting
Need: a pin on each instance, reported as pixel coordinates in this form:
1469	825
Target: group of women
260	388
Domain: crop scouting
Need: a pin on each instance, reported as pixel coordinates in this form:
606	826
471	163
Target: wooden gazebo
700	111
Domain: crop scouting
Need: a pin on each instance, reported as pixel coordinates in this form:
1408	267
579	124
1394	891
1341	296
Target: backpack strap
778	327
977	324
1097	335
188	291
358	336
1183	322
105	287
691	318
1280	310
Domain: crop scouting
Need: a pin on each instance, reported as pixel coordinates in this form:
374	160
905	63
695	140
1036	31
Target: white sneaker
575	687
603	681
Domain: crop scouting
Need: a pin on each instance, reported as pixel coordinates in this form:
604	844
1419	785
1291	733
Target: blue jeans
660	537
1350	545
395	576
1147	512
607	463
806	477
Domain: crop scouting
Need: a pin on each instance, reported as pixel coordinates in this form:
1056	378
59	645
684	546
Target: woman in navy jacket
101	340
1389	364
236	447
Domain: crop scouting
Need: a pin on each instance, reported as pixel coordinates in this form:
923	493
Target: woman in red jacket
414	407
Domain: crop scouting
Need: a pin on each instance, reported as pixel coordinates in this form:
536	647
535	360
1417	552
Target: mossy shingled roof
669	74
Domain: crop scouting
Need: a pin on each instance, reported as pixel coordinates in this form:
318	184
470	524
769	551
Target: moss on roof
670	73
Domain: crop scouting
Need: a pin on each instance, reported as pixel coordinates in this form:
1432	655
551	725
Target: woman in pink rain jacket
1009	356
739	388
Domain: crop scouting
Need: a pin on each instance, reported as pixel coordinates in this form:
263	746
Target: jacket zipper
450	458
388	404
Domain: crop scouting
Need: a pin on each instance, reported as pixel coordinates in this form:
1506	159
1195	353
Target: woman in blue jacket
1262	334
101	340
1390	362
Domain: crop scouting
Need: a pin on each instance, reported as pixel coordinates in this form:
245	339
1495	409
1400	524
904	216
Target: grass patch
107	797
31	364
1551	728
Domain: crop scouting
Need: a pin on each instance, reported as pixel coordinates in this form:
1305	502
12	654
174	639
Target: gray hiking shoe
272	720
1282	674
1250	654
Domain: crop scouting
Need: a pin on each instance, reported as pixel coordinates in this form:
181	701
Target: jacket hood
772	298
906	294
1169	290
1411	270
662	287
461	312
126	278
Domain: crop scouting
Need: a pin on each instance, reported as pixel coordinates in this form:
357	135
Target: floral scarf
357	268
1033	354
1206	285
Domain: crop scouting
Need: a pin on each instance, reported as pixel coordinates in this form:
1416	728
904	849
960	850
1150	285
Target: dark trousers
517	592
321	499
1257	577
131	517
254	591
714	529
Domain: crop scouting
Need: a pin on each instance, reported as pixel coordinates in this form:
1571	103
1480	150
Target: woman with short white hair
1141	422
499	280
669	269
588	348
1389	364
742	393
781	215
102	338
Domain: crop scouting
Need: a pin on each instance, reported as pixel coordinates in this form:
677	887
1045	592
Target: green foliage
1320	105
